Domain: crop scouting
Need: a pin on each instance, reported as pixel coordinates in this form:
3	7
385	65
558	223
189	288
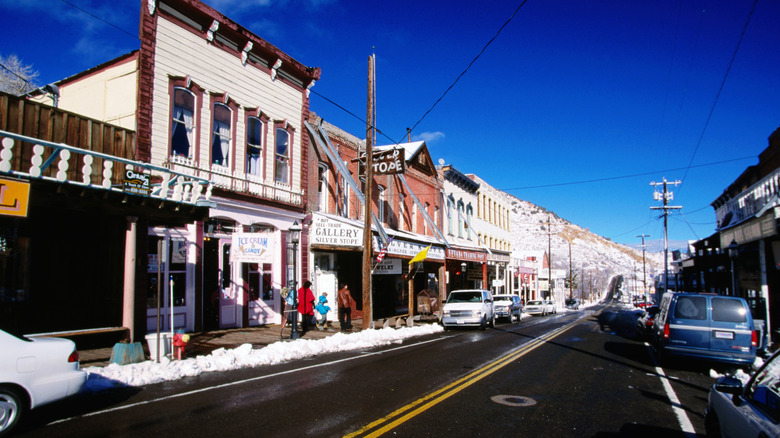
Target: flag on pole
422	255
383	251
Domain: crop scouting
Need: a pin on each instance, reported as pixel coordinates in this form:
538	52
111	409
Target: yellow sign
14	197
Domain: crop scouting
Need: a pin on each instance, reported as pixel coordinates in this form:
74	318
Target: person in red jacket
306	306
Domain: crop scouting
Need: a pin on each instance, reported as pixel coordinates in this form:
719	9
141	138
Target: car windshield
534	303
465	297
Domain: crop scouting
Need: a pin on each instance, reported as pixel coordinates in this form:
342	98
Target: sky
574	106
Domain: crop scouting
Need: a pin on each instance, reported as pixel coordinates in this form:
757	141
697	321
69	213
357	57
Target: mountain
593	257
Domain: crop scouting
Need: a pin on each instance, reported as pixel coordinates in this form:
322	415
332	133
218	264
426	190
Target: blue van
705	326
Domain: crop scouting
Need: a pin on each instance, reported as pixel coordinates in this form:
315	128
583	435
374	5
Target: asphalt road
574	374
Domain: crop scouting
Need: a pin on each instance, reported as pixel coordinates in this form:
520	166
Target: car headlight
446	312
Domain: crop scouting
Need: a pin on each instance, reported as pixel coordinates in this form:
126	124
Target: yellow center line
441	394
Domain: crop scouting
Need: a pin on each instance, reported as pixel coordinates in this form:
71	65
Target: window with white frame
221	135
470	217
254	146
344	207
451	215
381	204
461	216
322	187
183	123
282	163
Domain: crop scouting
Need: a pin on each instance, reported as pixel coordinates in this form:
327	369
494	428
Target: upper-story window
381	206
221	135
461	217
401	211
183	123
254	146
469	217
322	187
282	162
451	215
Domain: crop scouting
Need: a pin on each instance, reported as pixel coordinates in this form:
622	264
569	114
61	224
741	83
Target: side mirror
729	385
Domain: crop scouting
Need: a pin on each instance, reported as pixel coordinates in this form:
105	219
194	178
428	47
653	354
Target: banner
252	248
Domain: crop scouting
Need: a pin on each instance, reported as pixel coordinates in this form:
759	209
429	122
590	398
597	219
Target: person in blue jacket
322	308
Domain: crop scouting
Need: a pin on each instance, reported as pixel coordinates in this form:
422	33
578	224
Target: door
166	279
229	290
262	305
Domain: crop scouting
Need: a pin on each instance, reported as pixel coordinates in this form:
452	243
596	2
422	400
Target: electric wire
99	19
720	90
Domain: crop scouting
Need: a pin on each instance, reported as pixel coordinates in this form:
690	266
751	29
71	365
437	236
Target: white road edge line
238	382
685	423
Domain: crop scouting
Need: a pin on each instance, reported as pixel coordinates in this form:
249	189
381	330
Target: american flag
382	253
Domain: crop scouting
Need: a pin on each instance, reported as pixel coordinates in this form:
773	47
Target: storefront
225	272
466	269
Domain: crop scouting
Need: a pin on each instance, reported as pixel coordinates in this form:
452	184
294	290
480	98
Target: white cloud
430	137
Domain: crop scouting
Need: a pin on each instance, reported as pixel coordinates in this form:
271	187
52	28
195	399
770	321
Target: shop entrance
218	280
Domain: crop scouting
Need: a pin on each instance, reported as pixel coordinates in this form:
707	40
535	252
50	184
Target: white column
128	301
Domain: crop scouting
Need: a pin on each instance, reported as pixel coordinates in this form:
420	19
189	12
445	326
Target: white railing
238	181
170	185
751	201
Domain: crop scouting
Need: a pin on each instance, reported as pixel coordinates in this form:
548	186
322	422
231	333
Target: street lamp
463	267
295	237
733	249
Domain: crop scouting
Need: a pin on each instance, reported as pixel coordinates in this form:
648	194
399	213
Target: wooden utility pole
644	267
368	311
665	197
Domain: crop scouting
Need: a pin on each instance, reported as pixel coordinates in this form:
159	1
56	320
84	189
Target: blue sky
575	106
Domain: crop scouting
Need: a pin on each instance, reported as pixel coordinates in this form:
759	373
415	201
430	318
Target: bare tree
15	77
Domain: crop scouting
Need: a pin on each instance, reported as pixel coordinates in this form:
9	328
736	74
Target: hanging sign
387	162
137	183
252	248
14	197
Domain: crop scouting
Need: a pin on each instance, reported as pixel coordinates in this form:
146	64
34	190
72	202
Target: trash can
165	344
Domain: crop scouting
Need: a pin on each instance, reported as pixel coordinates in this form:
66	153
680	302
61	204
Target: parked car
34	372
468	307
537	307
572	304
752	409
507	306
644	324
705	326
552	308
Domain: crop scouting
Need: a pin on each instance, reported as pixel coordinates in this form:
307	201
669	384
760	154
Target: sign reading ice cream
252	248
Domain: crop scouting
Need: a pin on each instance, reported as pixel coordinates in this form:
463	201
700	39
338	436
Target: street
571	374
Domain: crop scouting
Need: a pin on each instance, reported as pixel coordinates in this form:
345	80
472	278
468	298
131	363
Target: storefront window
172	272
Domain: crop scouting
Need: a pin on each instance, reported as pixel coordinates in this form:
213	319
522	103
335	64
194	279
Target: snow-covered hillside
592	256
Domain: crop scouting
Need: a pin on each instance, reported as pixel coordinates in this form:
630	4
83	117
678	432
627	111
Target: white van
468	307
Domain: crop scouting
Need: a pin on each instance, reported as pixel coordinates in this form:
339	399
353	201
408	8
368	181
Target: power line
469	66
588	181
720	89
98	18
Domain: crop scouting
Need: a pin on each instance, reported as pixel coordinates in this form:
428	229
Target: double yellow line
417	407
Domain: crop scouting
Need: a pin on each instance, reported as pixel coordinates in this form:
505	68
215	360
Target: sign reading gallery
331	232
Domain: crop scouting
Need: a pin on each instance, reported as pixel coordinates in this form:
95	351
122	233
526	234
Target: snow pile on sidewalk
245	356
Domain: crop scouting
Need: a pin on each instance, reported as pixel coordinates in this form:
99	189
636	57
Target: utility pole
644	267
549	260
368	310
664	196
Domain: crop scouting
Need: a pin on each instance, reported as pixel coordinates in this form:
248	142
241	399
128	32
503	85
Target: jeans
345	318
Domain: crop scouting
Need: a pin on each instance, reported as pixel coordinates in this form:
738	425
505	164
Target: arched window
183	123
451	215
381	204
221	135
470	217
461	216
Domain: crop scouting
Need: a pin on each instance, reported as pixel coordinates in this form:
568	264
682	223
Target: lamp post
733	253
295	236
463	267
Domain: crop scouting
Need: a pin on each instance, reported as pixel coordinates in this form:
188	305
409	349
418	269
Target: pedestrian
345	302
306	306
322	308
288	306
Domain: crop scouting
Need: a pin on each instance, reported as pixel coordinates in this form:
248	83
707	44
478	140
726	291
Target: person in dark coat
345	301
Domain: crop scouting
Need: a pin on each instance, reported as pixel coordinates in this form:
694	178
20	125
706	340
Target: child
322	308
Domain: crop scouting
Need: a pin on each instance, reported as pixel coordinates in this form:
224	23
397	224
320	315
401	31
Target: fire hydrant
179	342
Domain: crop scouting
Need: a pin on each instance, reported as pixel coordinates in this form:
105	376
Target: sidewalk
203	343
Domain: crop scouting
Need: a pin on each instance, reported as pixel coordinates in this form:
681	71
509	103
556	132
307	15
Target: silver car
470	307
752	409
537	307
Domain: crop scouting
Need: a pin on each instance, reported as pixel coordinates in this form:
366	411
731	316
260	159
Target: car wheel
483	324
712	425
11	409
493	321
